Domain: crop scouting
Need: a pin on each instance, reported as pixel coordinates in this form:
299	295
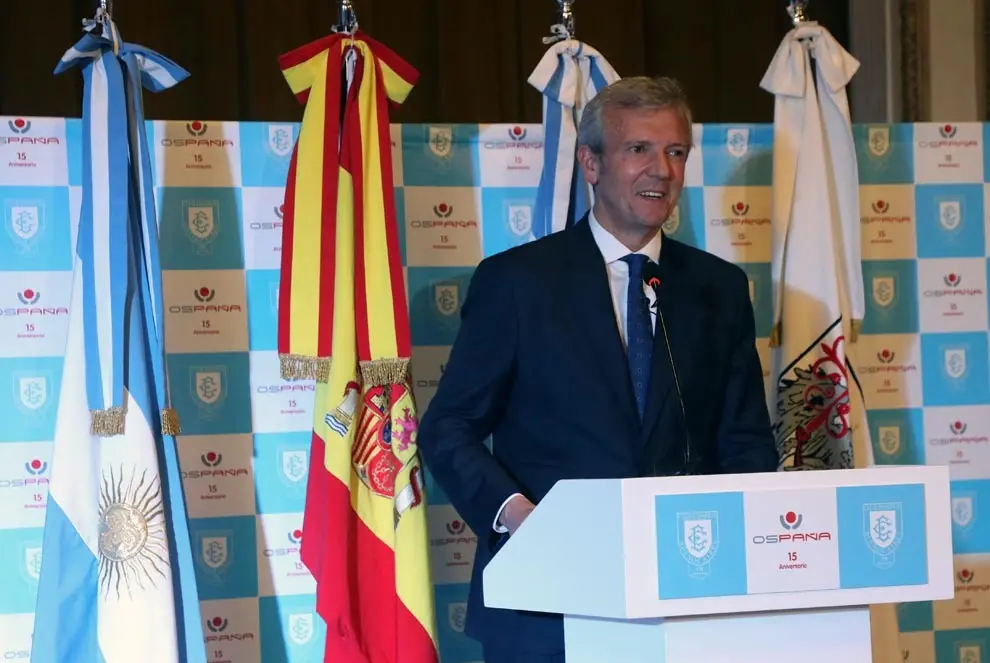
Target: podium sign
742	566
734	543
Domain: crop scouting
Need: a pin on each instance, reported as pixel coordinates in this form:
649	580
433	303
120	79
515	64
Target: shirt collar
612	249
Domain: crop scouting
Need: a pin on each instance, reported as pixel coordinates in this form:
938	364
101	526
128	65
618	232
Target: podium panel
811	636
750	567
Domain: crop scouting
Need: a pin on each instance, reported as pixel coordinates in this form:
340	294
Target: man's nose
660	166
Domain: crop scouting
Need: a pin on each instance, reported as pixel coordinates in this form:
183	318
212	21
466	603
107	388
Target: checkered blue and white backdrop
463	192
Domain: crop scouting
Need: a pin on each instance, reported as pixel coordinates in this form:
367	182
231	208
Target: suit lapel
679	307
590	302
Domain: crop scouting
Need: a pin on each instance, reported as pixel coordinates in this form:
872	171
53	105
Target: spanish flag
343	321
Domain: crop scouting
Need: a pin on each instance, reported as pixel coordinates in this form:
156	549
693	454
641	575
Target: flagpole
346	17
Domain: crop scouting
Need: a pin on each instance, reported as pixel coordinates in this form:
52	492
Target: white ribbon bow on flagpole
569	75
789	78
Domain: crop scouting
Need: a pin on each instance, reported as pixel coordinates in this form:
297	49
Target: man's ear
590	165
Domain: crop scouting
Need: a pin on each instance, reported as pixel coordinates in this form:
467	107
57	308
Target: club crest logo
215	551
208	385
201	221
457	616
32	560
737	142
521	220
697	540
441	142
882	531
445	298
950	214
954	361
963	511
883	290
280	140
301	627
878	140
31	392
295	465
890	439
969	653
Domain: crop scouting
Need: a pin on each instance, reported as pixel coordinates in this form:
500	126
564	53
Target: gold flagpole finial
796	11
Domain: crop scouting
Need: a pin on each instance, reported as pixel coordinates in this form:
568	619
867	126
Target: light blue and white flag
117	578
569	76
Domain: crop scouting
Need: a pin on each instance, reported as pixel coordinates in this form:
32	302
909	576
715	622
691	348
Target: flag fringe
383	372
107	423
301	367
170	422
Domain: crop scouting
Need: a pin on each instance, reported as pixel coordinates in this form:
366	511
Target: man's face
638	178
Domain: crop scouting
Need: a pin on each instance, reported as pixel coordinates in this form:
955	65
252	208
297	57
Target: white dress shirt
618	279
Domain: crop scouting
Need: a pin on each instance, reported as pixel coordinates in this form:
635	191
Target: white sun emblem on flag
133	544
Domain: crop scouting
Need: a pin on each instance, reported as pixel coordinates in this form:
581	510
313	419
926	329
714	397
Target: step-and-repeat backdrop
463	192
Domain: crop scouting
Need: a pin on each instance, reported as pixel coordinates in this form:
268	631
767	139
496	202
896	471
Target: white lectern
743	568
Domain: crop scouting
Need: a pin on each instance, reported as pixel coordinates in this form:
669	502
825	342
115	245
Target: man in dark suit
560	358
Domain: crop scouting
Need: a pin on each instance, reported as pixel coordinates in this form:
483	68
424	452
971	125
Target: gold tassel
107	423
170	422
381	372
299	367
855	329
775	336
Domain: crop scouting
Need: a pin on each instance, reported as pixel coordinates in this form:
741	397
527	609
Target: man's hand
515	512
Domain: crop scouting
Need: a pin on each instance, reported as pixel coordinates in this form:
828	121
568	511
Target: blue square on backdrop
451	610
281	470
436	295
291	631
37	229
20	558
434	493
689	226
211	392
898	436
400	220
226	557
701	545
884	153
882	540
915	616
969	501
506	217
955	368
737	154
891	296
440	155
949	220
266	149
200	227
965	645
262	308
74	150
30	393
761	293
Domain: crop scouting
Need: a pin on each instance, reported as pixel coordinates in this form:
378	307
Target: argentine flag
117	579
568	76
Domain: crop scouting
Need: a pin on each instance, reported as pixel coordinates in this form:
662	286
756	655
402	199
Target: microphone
651	277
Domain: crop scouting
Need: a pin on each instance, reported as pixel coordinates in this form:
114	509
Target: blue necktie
639	330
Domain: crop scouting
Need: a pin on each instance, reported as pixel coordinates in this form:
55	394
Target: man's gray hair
639	92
